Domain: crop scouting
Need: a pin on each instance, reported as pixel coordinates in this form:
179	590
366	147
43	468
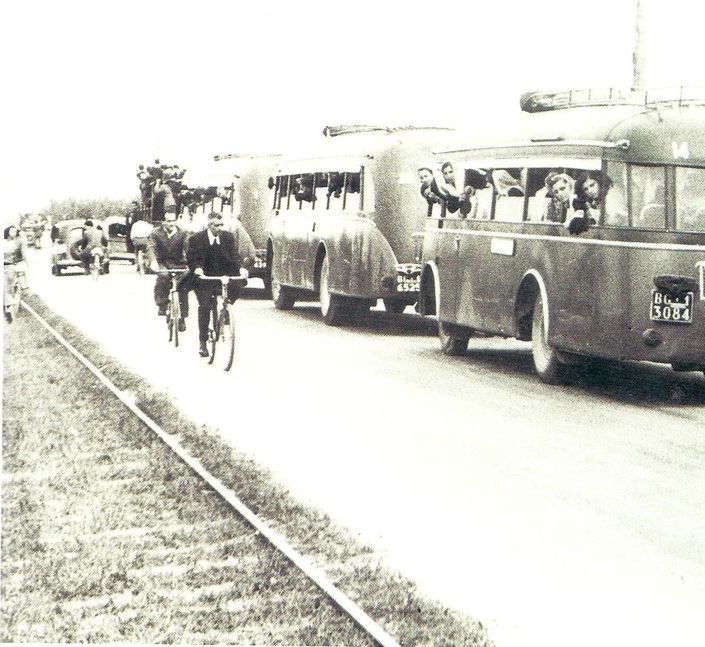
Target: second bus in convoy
581	229
343	220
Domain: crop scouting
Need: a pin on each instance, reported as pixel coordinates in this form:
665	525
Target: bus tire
394	305
546	358
454	341
282	296
333	306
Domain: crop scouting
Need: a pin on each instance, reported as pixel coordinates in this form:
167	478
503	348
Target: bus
251	187
581	230
343	218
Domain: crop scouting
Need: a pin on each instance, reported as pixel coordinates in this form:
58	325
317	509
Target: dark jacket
199	247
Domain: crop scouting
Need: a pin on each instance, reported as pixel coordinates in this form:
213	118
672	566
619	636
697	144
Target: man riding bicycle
212	252
167	245
94	242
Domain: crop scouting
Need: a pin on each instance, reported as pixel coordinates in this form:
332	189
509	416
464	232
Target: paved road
555	515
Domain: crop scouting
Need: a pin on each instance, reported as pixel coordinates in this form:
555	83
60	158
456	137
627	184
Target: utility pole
639	55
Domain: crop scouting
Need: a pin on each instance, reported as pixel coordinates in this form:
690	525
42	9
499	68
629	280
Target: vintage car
66	236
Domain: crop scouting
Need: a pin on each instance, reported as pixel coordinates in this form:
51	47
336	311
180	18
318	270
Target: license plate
408	283
671	309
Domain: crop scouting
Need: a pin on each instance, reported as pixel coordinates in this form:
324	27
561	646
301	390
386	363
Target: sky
92	89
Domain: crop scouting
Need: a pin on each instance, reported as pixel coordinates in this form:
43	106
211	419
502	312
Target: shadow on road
374	321
626	382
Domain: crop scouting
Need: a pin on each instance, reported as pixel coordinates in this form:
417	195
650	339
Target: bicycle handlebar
224	279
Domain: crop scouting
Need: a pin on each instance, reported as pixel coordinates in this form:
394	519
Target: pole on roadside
639	55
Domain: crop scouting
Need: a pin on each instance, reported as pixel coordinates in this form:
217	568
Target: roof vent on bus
335	131
546	101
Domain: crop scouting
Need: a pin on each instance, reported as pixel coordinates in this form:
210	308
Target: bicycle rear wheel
173	316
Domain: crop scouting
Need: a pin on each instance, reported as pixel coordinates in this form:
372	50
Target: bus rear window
690	199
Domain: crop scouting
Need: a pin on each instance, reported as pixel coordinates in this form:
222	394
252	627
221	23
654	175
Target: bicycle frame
222	321
173	313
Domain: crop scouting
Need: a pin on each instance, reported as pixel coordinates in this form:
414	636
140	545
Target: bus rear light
388	283
701	269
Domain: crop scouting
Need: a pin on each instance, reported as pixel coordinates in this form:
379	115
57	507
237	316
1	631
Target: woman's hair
603	180
6	233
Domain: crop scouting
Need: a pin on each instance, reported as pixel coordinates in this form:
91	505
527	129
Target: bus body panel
599	290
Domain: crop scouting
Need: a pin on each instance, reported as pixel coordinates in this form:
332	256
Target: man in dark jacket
212	252
167	247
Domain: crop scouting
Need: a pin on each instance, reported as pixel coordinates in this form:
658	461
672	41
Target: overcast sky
92	89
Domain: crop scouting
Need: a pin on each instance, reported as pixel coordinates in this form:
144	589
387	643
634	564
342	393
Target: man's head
215	222
448	173
170	221
425	175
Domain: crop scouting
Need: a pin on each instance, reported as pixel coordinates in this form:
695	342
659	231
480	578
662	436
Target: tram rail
277	541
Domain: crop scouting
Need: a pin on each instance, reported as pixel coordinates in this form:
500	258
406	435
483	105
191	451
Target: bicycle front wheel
174	314
226	338
213	331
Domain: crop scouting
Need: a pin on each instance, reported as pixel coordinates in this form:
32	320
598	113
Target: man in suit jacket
212	252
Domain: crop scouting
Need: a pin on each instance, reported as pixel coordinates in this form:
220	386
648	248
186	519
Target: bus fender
429	298
530	286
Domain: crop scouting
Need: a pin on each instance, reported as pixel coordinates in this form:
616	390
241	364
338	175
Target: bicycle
173	308
221	327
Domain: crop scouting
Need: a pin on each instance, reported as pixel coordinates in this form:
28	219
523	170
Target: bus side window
334	190
510	186
351	187
321	198
616	208
690	199
538	193
648	196
303	189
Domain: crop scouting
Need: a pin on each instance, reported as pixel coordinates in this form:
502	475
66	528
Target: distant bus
343	220
616	270
252	188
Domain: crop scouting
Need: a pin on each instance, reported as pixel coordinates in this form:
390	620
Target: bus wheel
454	340
546	358
395	306
282	296
333	307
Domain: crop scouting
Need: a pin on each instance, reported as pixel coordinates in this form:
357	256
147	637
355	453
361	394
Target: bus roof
353	146
651	134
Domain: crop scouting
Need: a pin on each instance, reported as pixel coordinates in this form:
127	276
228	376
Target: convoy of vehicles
580	227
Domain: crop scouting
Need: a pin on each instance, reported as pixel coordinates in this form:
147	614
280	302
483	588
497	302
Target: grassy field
107	538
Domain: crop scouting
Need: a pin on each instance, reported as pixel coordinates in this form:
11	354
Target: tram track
128	468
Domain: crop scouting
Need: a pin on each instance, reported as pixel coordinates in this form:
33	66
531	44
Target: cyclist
212	252
93	238
167	248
